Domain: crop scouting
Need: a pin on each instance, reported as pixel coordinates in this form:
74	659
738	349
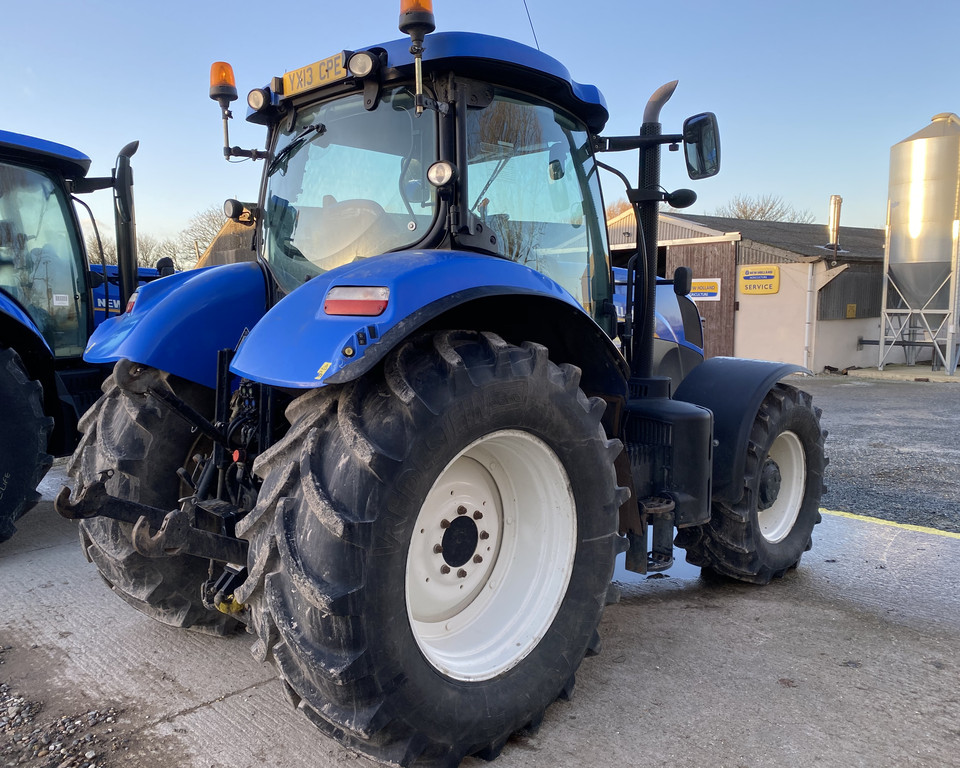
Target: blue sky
810	95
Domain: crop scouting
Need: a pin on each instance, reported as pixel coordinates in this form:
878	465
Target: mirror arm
622	143
645	195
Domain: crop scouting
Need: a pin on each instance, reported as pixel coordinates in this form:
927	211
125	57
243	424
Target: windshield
41	262
347	183
532	180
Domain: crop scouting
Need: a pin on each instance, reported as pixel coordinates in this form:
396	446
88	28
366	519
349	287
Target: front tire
23	441
432	547
767	531
145	444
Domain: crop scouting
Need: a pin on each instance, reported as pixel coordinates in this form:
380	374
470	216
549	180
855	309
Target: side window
41	264
531	180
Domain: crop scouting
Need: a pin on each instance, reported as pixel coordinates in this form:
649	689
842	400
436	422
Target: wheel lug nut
484	535
462	573
444	523
444	569
477	559
478	515
461	510
437	549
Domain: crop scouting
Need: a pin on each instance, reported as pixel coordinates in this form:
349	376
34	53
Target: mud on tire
145	444
23	441
411	479
765	534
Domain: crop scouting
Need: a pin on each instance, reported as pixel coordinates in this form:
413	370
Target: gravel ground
894	448
32	736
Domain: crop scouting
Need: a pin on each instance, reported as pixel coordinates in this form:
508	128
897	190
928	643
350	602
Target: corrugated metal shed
782	242
789	241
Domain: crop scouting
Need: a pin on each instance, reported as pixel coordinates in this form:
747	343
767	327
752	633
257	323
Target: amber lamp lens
221	73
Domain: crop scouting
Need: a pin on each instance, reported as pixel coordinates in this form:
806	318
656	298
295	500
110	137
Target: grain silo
923	231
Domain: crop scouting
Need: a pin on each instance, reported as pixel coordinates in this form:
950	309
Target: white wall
836	344
771	327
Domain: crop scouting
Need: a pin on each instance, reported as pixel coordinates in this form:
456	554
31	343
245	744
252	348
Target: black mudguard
733	389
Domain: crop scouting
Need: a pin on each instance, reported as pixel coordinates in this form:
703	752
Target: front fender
733	389
179	323
13	311
297	344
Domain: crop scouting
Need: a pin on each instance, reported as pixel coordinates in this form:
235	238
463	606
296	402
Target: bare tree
200	231
150	249
763	208
93	250
617	207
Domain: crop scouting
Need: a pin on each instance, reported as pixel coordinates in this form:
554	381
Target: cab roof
33	151
500	60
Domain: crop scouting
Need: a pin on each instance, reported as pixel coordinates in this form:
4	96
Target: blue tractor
51	299
406	443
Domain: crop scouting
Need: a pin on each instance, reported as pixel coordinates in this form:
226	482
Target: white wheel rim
777	520
474	620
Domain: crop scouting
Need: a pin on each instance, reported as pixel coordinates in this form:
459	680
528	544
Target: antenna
537	42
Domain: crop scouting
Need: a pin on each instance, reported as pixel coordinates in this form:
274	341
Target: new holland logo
705	289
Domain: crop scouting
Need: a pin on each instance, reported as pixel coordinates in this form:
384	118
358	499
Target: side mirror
682	281
701	145
95	279
165	266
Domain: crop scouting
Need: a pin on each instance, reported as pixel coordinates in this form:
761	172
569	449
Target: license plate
316	75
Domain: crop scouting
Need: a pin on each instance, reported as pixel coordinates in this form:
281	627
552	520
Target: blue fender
733	389
297	344
179	323
15	311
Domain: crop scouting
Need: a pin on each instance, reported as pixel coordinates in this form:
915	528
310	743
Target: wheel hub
455	545
770	480
459	542
782	487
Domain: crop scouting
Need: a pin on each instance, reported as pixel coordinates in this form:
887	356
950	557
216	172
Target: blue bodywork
297	344
179	323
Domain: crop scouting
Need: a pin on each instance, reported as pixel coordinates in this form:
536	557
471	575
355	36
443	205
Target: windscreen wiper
317	129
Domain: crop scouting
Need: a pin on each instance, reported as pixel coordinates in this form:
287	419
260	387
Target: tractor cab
42	265
359	165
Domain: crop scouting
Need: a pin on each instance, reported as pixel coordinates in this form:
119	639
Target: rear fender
733	389
297	344
179	323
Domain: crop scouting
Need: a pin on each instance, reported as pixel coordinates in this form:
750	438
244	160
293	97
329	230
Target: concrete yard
851	660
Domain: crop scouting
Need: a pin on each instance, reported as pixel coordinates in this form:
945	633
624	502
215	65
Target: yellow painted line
904	526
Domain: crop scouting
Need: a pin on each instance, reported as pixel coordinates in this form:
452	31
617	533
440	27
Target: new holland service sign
759	279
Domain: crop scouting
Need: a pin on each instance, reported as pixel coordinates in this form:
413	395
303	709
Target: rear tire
432	547
23	441
767	531
144	443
